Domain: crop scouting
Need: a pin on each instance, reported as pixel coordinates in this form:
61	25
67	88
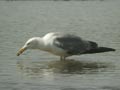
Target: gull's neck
42	45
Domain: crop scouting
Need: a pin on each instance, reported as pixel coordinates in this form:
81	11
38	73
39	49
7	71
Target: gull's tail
96	49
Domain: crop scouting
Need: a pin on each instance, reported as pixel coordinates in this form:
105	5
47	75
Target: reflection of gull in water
35	69
63	45
47	69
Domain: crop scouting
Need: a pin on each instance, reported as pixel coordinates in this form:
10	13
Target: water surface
37	70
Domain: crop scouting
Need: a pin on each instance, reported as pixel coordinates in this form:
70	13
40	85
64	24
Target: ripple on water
66	67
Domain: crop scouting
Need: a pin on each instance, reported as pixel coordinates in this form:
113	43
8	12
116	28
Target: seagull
63	45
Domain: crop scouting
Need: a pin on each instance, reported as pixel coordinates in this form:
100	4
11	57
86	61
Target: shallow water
37	70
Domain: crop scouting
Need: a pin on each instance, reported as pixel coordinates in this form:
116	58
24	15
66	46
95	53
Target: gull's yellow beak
21	51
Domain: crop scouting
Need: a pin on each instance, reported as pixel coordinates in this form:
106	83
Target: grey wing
72	44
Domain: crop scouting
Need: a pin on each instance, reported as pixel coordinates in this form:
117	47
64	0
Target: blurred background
96	20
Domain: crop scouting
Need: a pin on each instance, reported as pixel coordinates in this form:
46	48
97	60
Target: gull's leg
62	58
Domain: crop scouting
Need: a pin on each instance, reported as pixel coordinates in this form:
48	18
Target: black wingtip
99	50
106	49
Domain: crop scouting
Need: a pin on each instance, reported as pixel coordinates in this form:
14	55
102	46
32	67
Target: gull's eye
28	43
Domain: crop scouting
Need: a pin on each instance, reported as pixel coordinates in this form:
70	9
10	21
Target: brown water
37	70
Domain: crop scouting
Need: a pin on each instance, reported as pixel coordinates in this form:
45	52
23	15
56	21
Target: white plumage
63	45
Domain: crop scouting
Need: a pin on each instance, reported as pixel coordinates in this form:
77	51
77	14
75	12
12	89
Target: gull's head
30	44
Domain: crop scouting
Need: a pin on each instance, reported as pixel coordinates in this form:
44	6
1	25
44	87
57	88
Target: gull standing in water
63	45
